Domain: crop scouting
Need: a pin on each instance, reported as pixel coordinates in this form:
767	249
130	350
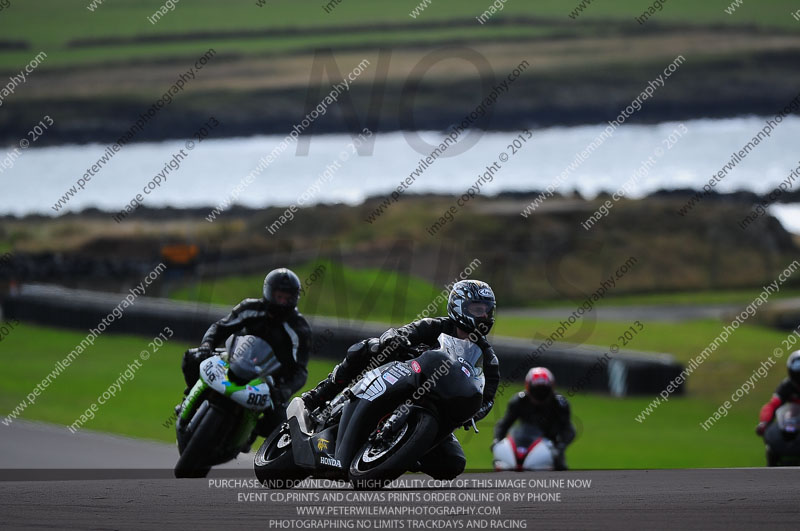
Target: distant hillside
548	255
269	70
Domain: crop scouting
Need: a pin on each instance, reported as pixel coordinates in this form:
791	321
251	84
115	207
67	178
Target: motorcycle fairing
254	395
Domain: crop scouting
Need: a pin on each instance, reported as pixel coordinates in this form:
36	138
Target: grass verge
334	290
609	437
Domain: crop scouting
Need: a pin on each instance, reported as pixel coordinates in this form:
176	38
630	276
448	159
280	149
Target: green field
372	294
344	282
728	296
609	437
51	25
364	294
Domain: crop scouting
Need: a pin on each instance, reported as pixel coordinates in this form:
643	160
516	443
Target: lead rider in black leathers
471	309
275	319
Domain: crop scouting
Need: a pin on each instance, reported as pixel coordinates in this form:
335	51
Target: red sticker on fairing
415	366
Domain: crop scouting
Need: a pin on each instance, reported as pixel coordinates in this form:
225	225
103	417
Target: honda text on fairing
217	417
377	429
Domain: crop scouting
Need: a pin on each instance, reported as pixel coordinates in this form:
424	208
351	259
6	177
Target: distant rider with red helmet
539	410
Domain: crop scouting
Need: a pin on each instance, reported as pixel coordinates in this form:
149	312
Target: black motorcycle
218	415
783	437
379	428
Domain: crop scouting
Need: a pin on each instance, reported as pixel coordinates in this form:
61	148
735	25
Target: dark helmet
539	383
471	305
793	364
284	280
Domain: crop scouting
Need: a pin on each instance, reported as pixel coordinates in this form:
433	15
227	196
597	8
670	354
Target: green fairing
232	388
200	386
188	405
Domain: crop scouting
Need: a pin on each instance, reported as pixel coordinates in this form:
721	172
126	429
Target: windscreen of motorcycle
251	357
788	417
524	434
465	351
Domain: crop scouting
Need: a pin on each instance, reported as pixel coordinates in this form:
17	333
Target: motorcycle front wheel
378	463
274	464
193	462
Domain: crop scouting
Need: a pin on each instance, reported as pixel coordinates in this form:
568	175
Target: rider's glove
202	353
761	428
393	341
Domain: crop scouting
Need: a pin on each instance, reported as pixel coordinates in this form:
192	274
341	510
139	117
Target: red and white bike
525	448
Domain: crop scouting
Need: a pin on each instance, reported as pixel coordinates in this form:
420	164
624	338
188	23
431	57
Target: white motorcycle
525	448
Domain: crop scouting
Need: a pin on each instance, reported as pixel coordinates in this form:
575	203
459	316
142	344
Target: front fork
190	413
188	406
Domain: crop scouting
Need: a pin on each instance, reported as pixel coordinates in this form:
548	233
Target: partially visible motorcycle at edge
782	437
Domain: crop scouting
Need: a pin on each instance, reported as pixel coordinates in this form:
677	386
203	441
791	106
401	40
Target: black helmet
471	305
793	364
285	280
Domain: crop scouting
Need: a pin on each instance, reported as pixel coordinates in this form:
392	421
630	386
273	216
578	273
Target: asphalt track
105	497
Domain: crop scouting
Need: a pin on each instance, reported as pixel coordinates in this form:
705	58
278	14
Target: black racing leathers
423	332
552	417
446	460
289	339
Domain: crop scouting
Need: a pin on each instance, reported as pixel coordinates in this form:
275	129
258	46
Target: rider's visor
479	309
540	392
